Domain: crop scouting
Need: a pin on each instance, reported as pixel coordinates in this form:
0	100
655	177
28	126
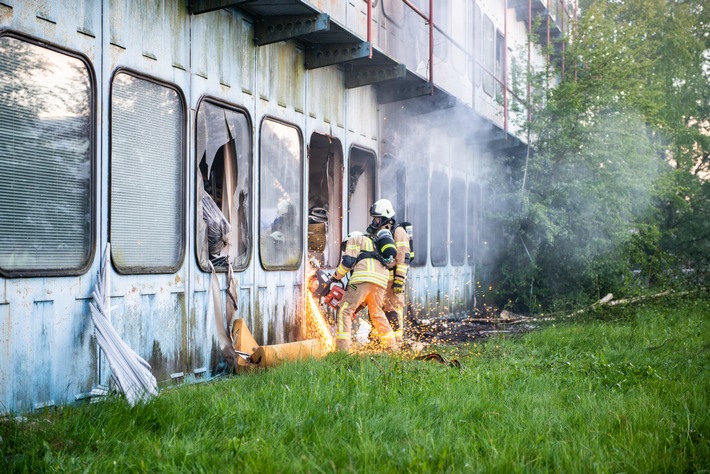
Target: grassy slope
627	390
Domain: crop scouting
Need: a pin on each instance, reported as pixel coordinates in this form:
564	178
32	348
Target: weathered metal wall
48	351
47	348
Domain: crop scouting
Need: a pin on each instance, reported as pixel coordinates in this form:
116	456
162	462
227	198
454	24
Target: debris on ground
456	330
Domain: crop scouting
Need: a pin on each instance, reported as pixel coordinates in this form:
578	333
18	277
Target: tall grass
626	390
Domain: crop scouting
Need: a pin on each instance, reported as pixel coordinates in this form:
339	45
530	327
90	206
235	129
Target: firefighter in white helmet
383	216
367	284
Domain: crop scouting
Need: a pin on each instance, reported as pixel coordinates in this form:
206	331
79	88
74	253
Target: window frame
461	221
140	270
93	173
374	164
421	237
473	210
488	53
304	228
447	243
235	108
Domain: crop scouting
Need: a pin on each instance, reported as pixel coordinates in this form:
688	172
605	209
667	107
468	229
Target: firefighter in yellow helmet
383	217
367	284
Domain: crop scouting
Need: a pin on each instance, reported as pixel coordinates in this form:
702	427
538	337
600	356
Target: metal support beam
328	54
398	92
273	29
358	76
197	7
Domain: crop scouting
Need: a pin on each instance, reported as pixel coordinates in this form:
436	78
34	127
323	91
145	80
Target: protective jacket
367	270
401	241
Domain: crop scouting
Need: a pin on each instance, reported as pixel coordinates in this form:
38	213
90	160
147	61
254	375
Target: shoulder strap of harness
374	254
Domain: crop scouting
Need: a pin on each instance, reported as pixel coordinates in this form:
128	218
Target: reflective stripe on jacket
401	241
366	270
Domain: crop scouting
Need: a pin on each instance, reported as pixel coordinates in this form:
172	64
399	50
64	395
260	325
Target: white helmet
382	208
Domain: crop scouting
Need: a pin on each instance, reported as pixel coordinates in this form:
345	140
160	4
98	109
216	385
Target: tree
615	185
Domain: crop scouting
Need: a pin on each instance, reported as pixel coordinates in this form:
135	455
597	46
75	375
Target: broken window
439	219
418	212
280	196
472	233
46	160
361	188
147	175
223	200
457	231
325	185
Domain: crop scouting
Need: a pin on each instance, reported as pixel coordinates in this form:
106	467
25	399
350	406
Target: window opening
439	219
442	19
477	43
500	66
392	184
418	212
361	188
488	51
280	196
147	175
458	221
325	191
46	161
474	198
223	187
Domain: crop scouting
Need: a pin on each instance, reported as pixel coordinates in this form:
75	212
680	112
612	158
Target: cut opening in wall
325	191
361	188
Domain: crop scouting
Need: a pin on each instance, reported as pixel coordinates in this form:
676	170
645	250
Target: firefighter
383	217
367	284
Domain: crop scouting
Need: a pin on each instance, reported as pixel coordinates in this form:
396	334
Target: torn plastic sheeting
131	372
218	227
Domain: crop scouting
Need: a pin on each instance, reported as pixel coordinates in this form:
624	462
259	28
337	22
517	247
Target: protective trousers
394	311
372	295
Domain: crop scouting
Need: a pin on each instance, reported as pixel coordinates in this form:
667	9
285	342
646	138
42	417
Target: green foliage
618	390
616	183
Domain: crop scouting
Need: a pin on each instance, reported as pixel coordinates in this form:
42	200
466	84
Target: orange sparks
316	326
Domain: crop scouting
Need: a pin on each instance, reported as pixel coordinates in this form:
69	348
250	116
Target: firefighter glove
398	286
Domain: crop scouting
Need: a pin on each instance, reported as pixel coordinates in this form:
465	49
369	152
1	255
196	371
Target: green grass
623	390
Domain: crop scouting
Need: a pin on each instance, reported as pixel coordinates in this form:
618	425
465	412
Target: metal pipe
454	42
431	45
415	9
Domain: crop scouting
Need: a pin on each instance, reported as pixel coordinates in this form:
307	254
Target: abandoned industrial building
123	122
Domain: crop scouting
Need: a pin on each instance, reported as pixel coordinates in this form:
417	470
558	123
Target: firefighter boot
394	320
